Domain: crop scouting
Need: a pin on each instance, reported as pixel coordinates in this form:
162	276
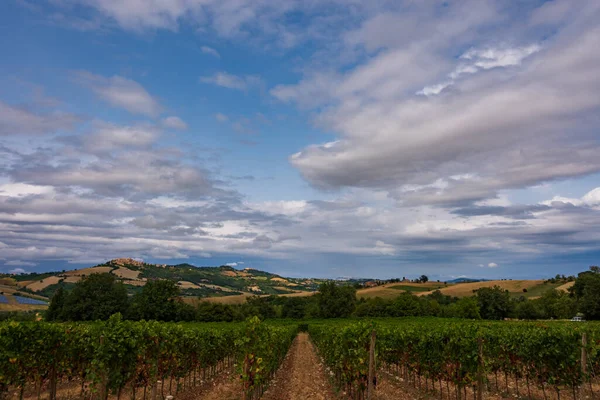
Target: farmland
413	357
206	282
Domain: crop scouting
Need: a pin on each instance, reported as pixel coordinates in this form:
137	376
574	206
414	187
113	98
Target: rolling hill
233	285
228	285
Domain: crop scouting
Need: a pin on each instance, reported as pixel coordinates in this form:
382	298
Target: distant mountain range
467	280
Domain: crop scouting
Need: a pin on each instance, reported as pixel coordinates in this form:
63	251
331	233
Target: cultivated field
391	290
466	289
411	358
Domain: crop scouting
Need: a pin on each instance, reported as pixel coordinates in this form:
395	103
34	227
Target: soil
301	376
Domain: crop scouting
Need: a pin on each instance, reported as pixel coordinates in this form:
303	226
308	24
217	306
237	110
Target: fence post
53	382
584	356
246	377
480	369
370	386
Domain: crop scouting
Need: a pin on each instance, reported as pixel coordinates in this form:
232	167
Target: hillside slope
193	281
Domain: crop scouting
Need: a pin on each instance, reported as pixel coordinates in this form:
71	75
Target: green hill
193	281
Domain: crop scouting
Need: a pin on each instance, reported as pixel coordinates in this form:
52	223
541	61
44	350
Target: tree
294	307
95	297
336	301
557	304
406	305
157	301
468	307
529	309
494	302
423	278
586	291
56	307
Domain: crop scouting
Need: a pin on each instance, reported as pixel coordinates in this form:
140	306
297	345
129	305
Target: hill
527	288
211	282
228	285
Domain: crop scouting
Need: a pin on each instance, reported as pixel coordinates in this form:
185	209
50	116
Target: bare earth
301	376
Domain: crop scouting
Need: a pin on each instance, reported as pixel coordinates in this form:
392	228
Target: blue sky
333	138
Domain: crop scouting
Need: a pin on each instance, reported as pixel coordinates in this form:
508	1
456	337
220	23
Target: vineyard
464	359
122	357
445	359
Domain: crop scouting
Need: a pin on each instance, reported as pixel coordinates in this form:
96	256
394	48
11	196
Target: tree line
99	296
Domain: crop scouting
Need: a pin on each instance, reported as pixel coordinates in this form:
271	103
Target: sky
330	138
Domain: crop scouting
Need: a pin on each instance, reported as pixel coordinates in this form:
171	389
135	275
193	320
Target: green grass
414	289
539	290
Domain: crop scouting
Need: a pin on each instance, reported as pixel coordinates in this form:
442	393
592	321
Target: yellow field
187	285
21	307
388	291
127	273
241	298
89	271
566	286
44	283
466	289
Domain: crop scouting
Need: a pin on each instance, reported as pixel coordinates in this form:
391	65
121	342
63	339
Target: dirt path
301	376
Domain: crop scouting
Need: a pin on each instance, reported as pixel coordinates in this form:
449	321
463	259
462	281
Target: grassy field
466	289
391	290
241	298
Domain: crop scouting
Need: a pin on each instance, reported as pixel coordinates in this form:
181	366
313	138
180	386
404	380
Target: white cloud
593	197
492	265
174	122
230	81
513	127
483	59
20	120
235	264
221	117
210	51
108	137
492	57
121	92
20	263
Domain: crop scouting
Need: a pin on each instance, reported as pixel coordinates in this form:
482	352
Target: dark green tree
157	301
56	308
529	309
468	307
406	305
336	301
494	303
586	291
294	307
95	297
556	304
423	278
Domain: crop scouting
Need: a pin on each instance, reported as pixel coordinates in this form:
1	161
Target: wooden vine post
246	377
371	383
480	369
584	356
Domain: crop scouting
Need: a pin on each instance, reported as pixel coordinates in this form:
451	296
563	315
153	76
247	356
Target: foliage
449	350
115	353
586	291
494	302
157	301
345	349
336	301
96	297
261	351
